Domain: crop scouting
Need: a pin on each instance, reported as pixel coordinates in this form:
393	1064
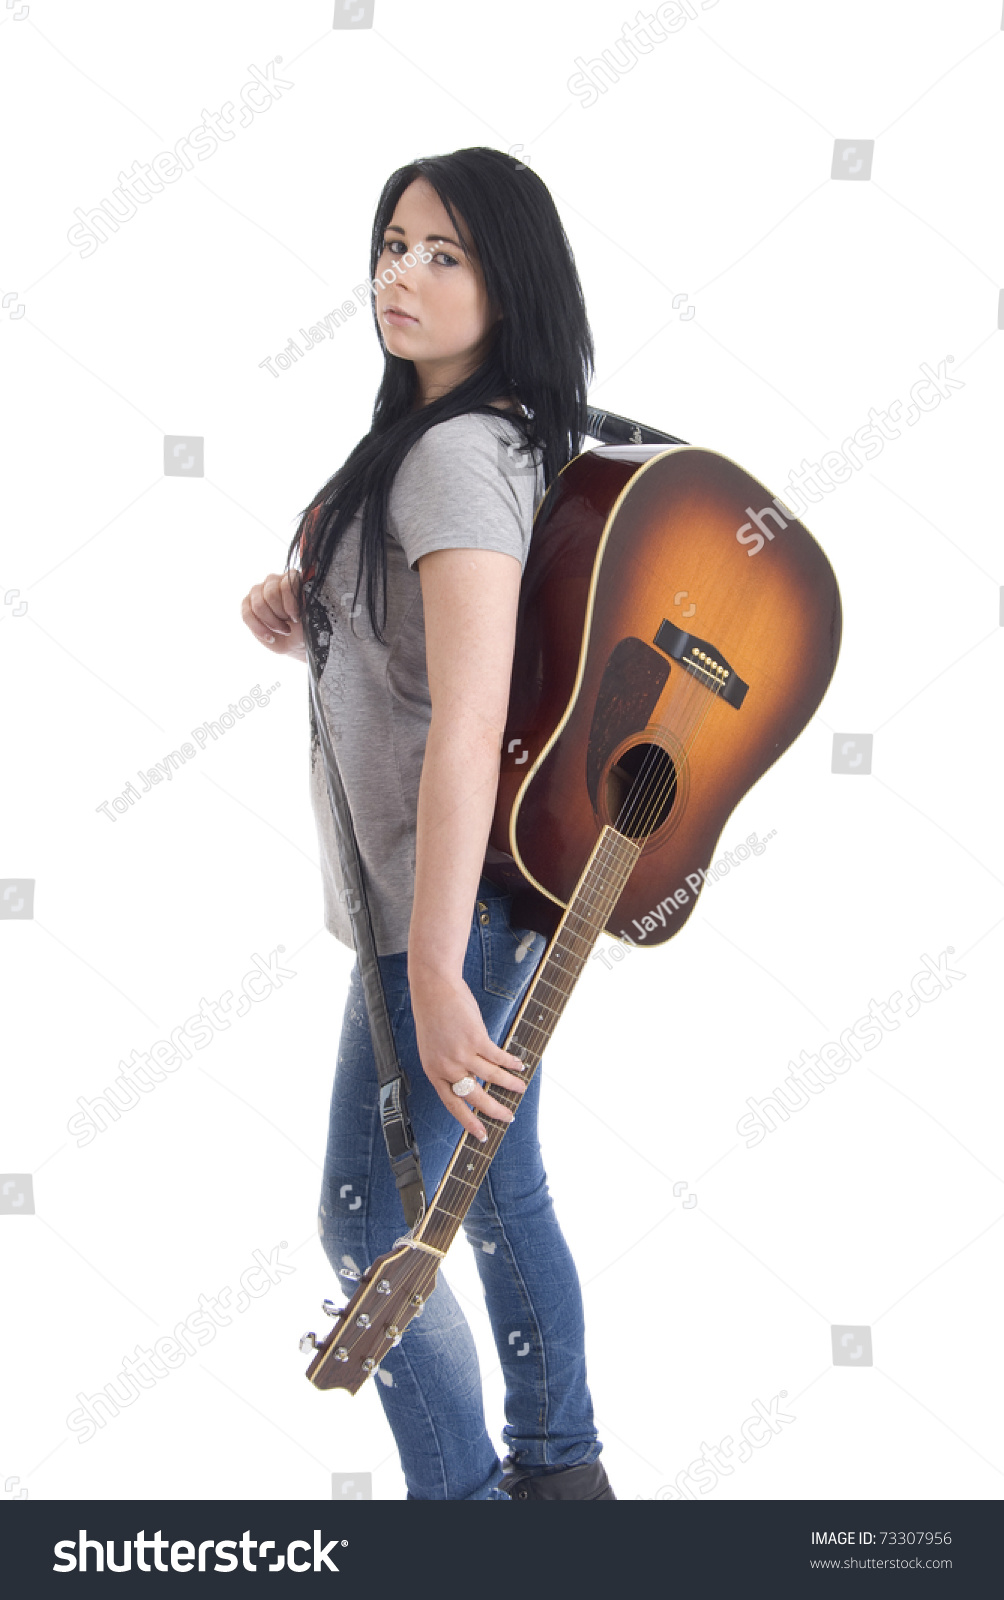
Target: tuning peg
330	1309
308	1343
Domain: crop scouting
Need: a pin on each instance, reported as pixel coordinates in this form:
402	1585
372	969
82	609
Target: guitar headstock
391	1292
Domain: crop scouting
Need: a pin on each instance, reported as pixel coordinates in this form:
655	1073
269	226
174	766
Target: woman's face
447	322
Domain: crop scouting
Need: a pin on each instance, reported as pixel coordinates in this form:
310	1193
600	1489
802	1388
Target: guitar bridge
703	662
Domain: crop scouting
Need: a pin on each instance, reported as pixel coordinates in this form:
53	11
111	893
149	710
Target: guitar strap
399	1137
610	428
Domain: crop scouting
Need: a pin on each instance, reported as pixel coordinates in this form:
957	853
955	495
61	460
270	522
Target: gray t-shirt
466	484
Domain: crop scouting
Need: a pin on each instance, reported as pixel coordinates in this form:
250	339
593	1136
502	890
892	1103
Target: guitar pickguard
633	680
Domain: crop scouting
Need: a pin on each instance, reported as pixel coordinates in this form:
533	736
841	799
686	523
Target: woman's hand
453	1043
270	611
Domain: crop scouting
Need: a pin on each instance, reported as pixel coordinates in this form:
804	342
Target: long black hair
541	357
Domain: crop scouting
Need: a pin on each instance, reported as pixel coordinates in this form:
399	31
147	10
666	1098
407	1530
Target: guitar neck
595	895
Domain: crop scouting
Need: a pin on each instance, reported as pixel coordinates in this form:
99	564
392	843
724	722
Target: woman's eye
443	255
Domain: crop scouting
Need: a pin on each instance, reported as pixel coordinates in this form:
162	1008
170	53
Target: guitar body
661	666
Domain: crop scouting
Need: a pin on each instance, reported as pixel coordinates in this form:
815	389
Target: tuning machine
308	1343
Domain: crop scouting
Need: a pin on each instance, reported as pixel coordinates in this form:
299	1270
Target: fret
547	1005
458	1198
442	1240
542	982
529	1023
473	1183
466	1151
538	1012
559	971
591	922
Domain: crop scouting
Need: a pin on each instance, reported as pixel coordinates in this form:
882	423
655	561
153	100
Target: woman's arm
469	599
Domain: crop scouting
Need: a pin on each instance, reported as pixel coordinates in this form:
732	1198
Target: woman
487	357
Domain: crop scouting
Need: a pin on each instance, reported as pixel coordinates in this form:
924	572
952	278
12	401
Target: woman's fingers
478	1100
269	609
461	1109
260	617
278	595
504	1070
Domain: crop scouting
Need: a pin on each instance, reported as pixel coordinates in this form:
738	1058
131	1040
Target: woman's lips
393	315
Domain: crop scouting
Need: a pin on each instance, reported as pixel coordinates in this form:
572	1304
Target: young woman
487	355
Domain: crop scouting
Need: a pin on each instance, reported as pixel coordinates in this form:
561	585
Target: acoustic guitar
677	628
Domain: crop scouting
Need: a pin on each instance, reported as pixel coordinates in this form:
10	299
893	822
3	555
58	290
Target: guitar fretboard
596	893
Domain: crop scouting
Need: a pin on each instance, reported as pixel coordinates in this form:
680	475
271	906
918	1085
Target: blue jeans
430	1384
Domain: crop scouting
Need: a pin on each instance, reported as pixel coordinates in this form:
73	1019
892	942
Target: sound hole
641	790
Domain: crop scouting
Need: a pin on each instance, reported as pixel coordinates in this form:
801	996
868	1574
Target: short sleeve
466	484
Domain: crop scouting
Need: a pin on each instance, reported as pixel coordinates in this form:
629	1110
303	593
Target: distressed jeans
430	1384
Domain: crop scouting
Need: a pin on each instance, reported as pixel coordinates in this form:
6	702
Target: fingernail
482	1137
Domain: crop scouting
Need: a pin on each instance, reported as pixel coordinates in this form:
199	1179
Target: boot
588	1482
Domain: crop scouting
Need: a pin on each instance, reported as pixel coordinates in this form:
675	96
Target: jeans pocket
509	956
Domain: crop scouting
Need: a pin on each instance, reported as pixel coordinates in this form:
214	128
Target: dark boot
588	1482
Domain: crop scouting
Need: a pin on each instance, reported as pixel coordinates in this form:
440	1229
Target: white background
705	171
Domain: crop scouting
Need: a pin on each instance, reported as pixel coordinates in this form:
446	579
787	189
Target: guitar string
660	795
714	693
